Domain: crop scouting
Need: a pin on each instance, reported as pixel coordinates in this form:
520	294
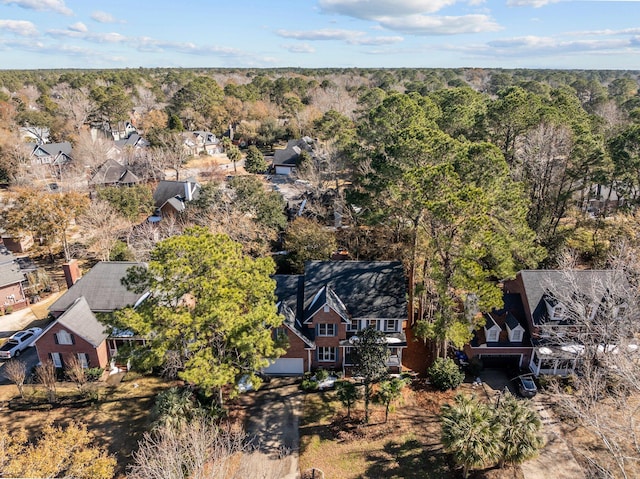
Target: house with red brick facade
530	330
12	278
76	333
333	300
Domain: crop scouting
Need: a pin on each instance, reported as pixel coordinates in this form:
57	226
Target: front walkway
555	459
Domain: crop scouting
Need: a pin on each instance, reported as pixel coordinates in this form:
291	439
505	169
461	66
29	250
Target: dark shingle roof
544	284
102	288
54	148
290	154
368	289
112	172
167	190
81	321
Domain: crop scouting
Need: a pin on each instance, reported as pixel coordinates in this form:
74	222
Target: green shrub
93	374
445	374
309	385
321	375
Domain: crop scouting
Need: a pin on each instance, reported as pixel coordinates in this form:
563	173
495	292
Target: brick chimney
71	272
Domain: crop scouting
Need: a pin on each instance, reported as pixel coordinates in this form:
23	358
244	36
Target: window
558	312
325	329
492	334
391	325
516	335
326	354
279	334
326	308
57	360
353	325
62	337
83	359
372	323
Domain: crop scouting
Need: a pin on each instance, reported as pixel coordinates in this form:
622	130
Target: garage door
504	361
286	367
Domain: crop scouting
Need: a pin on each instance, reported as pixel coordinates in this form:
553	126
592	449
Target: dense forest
467	175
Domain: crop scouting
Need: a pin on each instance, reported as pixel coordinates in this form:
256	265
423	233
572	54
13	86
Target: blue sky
320	33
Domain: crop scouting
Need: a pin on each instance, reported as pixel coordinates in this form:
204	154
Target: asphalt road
28	356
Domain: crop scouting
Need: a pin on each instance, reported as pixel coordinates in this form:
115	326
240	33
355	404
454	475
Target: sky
587	34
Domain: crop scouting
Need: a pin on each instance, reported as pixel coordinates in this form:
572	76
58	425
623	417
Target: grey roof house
326	306
112	173
102	288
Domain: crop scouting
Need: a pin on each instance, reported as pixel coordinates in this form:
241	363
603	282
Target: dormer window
558	312
515	335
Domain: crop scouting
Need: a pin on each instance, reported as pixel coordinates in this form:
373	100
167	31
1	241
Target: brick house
330	303
12	296
530	330
77	332
101	289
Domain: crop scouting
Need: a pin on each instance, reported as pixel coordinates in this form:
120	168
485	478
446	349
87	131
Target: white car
19	342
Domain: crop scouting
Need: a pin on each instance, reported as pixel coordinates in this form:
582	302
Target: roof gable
326	297
80	320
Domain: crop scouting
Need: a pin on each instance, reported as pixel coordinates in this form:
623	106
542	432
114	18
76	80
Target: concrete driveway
272	423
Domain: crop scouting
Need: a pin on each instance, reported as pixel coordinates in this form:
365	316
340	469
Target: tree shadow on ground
411	459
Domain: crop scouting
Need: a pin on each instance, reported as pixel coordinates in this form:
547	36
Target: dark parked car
526	385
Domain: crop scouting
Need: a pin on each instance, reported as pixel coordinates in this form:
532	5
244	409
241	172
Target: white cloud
78	27
57	6
323	34
110	37
18	27
104	17
371	9
530	3
440	25
299	48
352	37
376	40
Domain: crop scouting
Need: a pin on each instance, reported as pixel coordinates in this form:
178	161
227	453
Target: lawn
117	415
407	446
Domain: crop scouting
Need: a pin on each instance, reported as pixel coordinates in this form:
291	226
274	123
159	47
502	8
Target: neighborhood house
326	306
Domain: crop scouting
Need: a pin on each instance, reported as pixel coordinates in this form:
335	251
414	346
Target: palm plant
470	433
521	426
389	392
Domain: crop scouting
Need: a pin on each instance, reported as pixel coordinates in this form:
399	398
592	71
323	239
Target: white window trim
64	337
83	359
332	351
516	335
392	330
353	325
492	335
57	359
326	334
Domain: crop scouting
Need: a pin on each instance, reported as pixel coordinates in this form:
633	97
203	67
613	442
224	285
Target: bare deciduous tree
102	226
75	104
46	375
198	450
74	371
600	332
16	372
